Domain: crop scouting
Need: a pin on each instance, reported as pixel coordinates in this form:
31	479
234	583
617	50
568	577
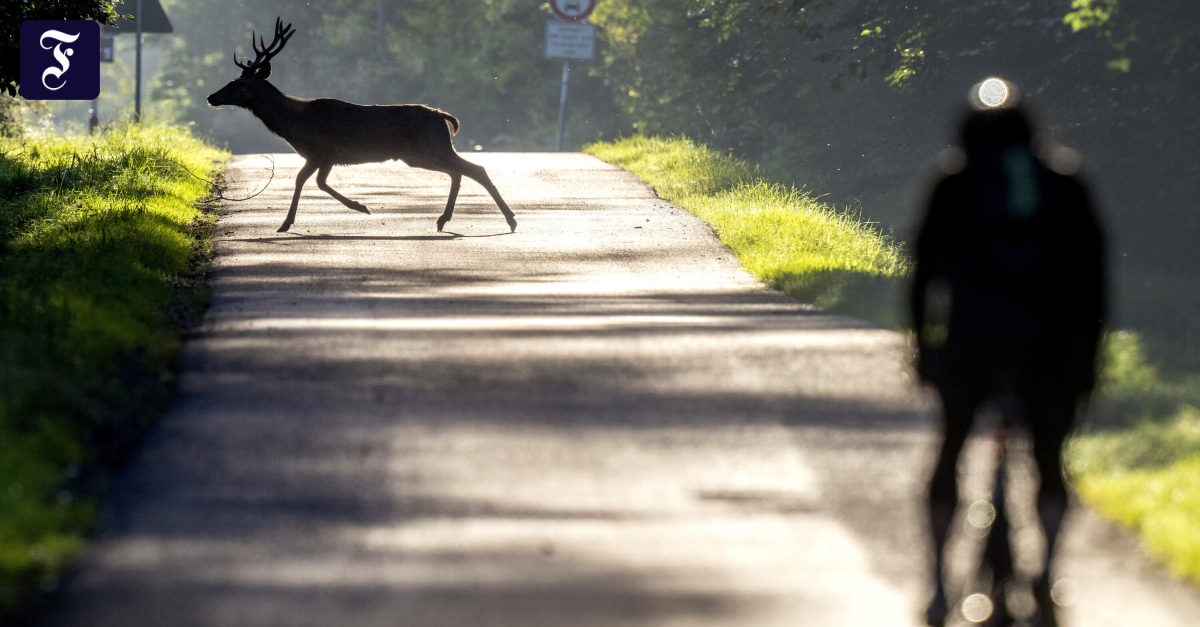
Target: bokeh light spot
1065	592
981	514
993	92
977	608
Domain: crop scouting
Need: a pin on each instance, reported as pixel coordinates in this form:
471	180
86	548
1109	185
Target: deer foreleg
301	178
321	175
455	181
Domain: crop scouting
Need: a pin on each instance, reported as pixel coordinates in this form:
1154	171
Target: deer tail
453	121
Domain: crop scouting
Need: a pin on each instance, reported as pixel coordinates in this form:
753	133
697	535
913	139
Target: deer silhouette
329	132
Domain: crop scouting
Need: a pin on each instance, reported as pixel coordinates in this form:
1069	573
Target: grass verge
1144	476
790	240
102	243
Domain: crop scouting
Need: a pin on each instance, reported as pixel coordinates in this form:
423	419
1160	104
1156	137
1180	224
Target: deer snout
223	96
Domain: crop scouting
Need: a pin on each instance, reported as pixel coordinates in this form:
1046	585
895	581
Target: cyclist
1008	296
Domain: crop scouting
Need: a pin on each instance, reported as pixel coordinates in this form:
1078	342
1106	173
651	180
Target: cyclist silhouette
1008	298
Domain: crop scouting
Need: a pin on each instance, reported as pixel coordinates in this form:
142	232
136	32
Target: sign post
148	17
108	54
137	90
566	39
107	48
562	105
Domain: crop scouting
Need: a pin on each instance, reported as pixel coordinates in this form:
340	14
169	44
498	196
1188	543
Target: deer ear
263	71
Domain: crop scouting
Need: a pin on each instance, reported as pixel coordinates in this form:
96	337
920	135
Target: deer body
329	132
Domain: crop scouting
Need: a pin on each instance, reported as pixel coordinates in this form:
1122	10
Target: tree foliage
481	61
849	94
845	96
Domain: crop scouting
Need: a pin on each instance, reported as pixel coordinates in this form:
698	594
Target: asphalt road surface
600	420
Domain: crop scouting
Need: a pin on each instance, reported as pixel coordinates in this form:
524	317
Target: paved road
598	420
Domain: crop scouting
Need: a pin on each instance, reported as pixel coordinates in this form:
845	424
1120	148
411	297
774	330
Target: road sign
566	39
570	41
572	10
107	49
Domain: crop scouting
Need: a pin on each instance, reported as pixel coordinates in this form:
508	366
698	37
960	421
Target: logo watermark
60	60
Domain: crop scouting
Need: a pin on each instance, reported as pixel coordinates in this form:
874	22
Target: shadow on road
323	483
345	238
608	423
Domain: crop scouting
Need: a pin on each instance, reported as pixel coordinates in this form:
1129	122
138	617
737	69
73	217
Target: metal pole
137	90
562	104
381	43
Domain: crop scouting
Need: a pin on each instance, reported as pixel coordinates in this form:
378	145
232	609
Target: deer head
242	91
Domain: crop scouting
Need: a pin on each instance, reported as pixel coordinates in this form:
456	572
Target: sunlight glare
993	92
977	608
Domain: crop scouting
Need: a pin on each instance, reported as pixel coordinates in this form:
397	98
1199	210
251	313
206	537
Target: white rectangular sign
107	49
570	41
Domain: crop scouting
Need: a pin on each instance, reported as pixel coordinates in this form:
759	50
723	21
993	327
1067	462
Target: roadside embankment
1138	457
103	244
787	237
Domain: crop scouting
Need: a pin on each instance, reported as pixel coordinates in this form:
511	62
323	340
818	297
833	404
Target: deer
328	132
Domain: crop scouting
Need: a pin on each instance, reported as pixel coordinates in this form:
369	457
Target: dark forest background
847	98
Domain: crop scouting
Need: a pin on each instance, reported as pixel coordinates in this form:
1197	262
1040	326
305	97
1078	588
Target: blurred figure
1008	298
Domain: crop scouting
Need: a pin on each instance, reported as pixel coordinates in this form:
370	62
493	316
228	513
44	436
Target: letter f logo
60	60
59	55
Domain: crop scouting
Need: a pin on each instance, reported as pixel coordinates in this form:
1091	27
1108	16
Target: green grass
101	242
1151	444
1162	504
790	240
1145	476
1132	391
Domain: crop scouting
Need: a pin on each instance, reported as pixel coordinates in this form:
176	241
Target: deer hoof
939	609
284	228
440	224
360	207
512	225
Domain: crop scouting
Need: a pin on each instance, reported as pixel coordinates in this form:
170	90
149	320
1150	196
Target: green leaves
1090	13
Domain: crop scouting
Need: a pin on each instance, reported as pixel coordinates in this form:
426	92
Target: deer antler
264	53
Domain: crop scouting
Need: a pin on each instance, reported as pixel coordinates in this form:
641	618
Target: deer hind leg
301	178
455	181
479	175
322	174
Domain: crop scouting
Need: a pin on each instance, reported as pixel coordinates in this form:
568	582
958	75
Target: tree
846	95
480	61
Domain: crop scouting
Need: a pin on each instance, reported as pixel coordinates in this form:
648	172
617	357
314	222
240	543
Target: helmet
997	117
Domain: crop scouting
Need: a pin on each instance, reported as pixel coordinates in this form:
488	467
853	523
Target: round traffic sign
573	10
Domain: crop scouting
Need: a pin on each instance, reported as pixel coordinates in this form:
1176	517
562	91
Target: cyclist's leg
998	559
959	403
1051	418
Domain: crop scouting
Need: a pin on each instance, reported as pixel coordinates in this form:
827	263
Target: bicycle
997	595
